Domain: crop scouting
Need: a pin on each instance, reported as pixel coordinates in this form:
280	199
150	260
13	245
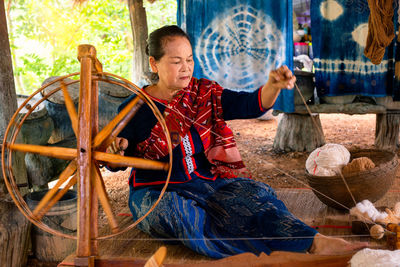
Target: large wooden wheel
85	159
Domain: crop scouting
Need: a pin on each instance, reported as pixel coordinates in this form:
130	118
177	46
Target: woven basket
371	184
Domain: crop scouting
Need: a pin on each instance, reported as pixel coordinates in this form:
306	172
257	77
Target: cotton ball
368	210
327	160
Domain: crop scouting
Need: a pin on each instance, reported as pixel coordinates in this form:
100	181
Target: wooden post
8	98
84	159
297	132
387	131
137	14
94	201
14	227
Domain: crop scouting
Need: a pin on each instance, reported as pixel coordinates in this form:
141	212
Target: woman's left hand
278	79
281	78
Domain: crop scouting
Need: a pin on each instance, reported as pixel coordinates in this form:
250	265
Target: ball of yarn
358	165
327	160
377	231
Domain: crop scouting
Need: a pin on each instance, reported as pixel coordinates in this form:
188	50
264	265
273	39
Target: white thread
229	238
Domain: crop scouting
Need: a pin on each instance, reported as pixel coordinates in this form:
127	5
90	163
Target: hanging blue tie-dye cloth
339	31
238	42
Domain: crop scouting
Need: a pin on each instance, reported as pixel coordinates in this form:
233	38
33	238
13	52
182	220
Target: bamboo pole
94	210
103	138
58	196
68	171
69	104
55	152
104	199
125	161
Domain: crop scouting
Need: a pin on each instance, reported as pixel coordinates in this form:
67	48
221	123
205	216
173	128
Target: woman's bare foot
325	245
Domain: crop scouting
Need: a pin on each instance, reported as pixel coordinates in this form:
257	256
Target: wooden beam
125	161
47	151
94	209
8	98
84	158
137	14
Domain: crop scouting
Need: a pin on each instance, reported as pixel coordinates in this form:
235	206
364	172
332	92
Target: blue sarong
339	31
221	218
238	42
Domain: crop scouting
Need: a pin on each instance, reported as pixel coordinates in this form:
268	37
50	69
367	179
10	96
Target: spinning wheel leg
84	157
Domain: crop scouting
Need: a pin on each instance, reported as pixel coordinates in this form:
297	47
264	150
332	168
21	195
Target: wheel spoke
57	197
158	258
104	199
70	108
105	137
124	161
68	171
48	151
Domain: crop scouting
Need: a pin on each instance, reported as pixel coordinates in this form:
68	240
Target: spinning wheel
83	168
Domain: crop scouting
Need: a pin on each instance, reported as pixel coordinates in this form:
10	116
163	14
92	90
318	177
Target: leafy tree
45	34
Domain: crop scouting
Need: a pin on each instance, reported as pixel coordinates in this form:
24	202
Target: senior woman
210	205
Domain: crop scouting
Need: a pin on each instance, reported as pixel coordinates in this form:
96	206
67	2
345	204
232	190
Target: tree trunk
298	133
141	68
14	236
14	228
387	131
8	97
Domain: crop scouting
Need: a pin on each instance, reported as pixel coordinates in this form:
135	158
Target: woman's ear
153	65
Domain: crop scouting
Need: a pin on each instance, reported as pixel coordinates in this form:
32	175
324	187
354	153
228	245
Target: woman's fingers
118	146
283	77
123	143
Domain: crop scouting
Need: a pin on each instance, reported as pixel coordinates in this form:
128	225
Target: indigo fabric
237	42
221	218
339	31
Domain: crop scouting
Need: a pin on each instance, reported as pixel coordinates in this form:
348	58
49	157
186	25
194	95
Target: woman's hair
158	38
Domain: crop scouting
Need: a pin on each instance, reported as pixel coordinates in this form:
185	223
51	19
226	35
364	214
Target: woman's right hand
118	146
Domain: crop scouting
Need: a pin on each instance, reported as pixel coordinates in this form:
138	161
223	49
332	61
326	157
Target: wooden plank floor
301	202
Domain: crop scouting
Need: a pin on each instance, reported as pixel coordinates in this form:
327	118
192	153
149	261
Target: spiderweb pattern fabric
237	43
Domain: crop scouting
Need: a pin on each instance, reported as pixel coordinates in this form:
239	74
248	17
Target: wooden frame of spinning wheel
85	159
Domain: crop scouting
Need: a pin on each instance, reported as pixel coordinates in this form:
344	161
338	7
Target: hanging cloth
339	31
380	29
237	42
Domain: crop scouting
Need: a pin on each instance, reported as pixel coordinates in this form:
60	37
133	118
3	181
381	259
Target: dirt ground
256	137
280	170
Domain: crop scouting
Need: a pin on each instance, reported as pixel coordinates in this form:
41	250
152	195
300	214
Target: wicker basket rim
392	163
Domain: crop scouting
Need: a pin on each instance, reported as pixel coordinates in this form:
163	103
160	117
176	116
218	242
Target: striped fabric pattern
222	218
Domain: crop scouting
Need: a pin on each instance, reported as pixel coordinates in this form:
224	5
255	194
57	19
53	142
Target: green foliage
160	13
44	36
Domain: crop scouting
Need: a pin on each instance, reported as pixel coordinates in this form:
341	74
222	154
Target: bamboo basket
370	184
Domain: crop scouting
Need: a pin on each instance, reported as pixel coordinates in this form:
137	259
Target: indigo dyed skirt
221	218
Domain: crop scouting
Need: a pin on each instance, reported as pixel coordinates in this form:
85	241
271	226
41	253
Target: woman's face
175	68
